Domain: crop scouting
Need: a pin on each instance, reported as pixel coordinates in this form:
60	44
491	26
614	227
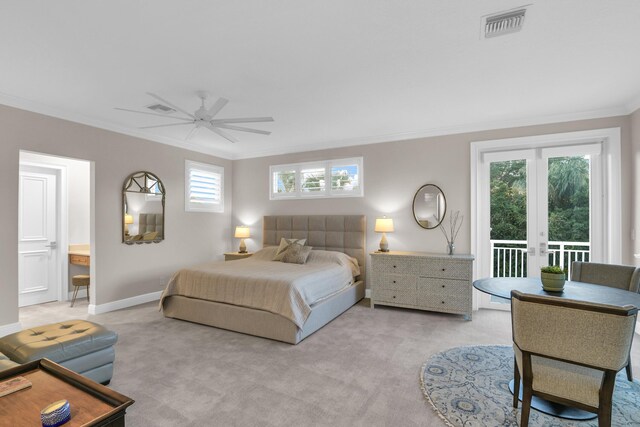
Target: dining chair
624	277
569	352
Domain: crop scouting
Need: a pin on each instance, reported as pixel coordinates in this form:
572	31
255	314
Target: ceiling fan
204	118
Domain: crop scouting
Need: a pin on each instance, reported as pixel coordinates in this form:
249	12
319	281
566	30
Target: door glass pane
508	218
569	237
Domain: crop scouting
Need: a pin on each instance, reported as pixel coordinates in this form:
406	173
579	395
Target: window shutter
204	187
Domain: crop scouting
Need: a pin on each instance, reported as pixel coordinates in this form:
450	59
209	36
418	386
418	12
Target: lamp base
383	250
243	247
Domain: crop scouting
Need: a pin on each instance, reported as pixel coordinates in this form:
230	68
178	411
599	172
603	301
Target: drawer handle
443	286
394	266
394	281
394	296
444	269
442	301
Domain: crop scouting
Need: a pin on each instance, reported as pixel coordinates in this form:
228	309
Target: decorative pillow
136	237
284	245
296	254
151	235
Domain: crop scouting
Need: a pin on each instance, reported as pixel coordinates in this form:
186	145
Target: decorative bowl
56	414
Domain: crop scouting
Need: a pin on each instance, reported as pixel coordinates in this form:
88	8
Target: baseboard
367	293
10	328
124	303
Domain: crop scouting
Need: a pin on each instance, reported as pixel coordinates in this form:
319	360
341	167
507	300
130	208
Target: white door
38	278
543	207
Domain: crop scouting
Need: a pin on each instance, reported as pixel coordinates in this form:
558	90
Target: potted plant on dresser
553	278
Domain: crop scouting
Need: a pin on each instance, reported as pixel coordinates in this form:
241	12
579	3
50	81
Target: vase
451	248
552	282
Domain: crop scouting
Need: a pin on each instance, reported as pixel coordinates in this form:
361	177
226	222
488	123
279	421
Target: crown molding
36	107
47	110
451	130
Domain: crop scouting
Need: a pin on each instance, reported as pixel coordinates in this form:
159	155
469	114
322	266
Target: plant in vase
553	278
455	222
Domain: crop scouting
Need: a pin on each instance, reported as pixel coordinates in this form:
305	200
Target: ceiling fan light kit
203	117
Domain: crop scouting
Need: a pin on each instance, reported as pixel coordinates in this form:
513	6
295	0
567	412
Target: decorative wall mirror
429	206
143	209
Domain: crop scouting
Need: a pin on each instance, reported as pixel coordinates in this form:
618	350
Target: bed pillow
296	254
284	245
151	235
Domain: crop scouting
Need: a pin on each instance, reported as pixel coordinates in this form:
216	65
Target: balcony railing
509	257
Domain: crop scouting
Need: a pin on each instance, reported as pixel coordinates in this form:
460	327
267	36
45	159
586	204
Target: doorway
547	200
53	216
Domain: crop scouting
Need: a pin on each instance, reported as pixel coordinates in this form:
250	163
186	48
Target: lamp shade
242	232
384	225
128	219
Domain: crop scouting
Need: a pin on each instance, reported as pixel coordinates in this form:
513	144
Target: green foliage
554	269
568	200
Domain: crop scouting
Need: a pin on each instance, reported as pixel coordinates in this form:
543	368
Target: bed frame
342	233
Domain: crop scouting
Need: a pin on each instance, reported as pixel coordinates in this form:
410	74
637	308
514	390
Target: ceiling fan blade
161	126
170	104
219	105
191	133
222	134
244	120
154	114
240	128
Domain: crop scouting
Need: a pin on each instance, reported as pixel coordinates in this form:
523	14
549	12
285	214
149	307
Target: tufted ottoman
82	346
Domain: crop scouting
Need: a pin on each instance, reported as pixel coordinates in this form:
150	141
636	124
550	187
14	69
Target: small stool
79	281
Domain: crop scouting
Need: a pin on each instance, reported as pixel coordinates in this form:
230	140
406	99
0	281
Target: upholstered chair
615	276
569	352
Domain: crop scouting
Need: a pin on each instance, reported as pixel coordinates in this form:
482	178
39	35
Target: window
330	178
204	187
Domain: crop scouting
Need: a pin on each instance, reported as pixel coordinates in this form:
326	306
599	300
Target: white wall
393	172
121	271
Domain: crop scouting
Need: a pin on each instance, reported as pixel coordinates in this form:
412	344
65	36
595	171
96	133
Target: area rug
469	386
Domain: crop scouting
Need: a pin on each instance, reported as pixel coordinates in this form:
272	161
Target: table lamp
242	232
384	225
128	219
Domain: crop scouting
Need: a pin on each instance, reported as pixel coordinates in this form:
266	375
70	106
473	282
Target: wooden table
91	404
502	287
588	292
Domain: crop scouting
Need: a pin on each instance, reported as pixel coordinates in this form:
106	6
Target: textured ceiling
330	72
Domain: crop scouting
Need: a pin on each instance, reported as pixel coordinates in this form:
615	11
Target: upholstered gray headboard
151	222
342	233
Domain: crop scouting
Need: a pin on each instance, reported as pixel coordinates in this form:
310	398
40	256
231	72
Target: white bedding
258	282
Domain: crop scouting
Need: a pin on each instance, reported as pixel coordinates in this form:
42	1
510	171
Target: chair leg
629	372
527	389
606	399
516	383
75	294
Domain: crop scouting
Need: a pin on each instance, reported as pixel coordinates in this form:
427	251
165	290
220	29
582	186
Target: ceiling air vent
503	22
161	108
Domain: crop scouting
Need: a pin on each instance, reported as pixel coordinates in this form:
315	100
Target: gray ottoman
82	346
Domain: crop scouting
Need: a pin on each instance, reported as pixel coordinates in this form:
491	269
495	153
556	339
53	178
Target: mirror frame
413	206
138	183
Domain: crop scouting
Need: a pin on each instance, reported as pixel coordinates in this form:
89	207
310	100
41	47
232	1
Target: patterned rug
469	386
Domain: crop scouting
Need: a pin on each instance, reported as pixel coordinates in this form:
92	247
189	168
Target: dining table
580	291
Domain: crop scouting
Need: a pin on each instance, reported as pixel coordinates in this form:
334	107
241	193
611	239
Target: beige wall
393	171
121	271
635	197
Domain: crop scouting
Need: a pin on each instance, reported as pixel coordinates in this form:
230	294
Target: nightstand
231	256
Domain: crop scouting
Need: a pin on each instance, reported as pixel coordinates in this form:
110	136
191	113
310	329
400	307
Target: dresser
423	281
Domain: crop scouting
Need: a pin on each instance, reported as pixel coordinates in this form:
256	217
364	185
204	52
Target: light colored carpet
469	386
361	369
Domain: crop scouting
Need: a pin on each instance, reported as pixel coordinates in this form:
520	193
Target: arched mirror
143	209
429	206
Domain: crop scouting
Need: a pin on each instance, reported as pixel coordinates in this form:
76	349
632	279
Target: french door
540	206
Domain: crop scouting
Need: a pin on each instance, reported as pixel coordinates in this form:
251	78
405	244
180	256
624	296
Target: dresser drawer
446	269
446	303
79	260
395	265
431	285
394	296
395	281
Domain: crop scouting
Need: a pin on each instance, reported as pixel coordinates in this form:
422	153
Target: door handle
52	245
543	248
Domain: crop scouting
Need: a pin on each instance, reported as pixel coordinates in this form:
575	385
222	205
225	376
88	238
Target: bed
280	314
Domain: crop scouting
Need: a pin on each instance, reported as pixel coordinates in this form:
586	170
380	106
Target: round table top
502	287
